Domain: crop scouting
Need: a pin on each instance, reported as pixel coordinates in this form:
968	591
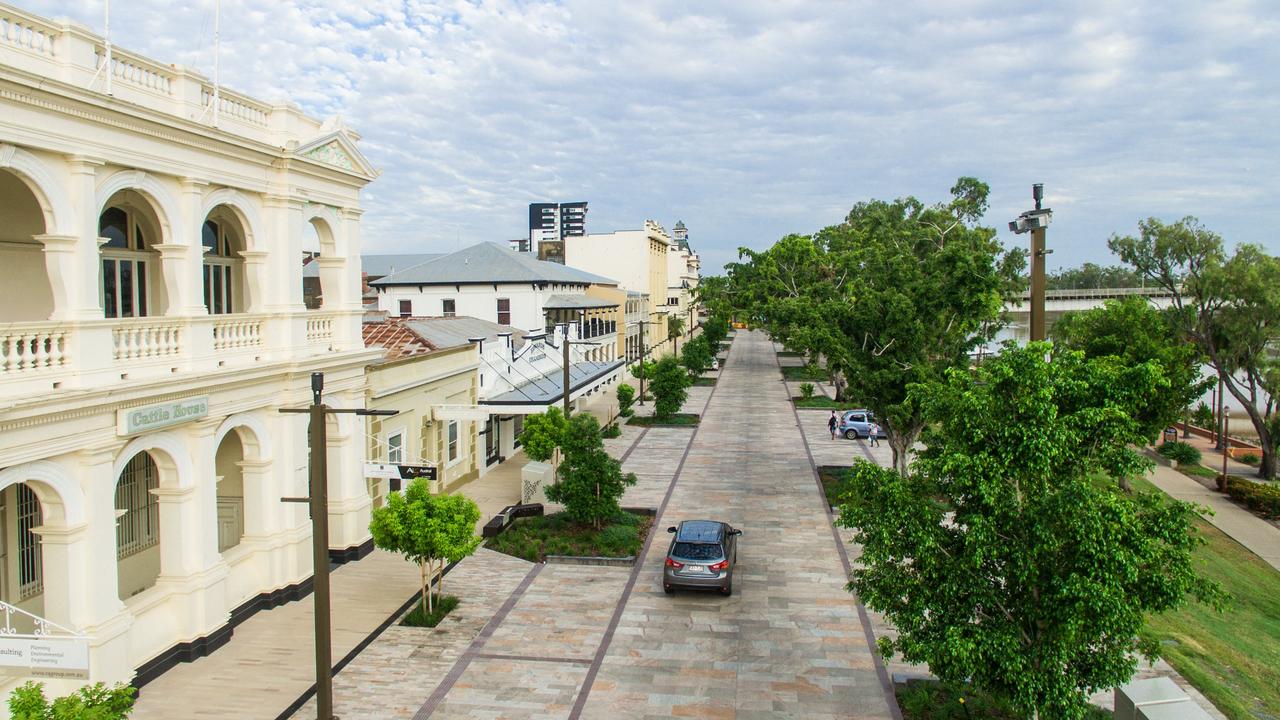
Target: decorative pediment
338	150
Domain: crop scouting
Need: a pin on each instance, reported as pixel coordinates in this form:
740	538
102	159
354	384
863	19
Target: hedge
1183	453
1262	499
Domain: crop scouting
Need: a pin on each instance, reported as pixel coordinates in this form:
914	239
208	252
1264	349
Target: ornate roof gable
338	150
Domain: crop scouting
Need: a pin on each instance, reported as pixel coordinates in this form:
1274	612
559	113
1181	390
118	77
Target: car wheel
850	434
668	589
727	590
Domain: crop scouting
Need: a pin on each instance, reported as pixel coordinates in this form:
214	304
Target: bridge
1058	302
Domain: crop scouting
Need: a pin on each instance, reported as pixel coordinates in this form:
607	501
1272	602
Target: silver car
703	554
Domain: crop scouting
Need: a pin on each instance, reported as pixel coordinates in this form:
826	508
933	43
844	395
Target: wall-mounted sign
132	421
44	657
392	471
413	472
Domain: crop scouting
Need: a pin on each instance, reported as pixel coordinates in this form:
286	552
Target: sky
752	119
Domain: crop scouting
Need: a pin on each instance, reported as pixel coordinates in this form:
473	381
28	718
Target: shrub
670	385
1180	452
1202	416
626	398
806	390
696	356
1262	499
619	536
92	702
543	433
611	431
1249	459
421	617
590	481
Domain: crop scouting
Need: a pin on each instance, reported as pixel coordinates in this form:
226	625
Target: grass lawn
419	617
833	478
704	382
805	373
1232	657
931	700
1197	470
534	538
817	401
677	419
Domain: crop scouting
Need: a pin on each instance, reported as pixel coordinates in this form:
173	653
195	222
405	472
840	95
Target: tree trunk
426	596
440	576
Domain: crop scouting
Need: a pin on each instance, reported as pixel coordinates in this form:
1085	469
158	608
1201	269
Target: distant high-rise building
550	224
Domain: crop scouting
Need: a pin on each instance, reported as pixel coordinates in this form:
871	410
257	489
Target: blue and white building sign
132	421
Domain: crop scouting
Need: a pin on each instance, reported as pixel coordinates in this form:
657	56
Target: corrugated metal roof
454	331
488	262
548	388
575	302
377	266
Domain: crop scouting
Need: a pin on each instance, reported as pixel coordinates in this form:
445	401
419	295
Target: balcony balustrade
49	355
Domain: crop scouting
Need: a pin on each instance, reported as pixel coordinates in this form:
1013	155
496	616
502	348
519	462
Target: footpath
1251	531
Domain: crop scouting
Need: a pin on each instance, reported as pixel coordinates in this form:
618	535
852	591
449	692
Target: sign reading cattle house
132	421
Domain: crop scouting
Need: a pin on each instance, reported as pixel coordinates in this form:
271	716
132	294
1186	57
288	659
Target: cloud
749	119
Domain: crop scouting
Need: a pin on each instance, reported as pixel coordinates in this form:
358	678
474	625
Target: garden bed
535	538
932	700
704	382
419	617
834	478
806	372
817	401
676	420
789	354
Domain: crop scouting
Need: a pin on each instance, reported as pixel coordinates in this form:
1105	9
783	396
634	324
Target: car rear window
697	551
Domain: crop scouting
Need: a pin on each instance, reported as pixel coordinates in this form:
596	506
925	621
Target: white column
83	280
255	280
349	502
286	331
61	267
66	554
262	506
187	232
102	615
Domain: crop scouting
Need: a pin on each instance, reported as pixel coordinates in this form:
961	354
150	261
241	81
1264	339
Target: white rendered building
639	261
151	238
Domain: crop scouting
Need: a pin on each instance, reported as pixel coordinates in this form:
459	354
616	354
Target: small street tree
670	386
426	529
626	398
1229	307
696	356
675	328
590	481
543	434
1003	558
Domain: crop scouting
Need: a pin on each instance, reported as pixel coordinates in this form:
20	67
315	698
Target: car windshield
697	551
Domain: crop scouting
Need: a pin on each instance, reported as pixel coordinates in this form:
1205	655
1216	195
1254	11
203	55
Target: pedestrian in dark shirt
833	422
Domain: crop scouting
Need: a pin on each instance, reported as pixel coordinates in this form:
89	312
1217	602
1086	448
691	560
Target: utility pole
643	352
318	501
1036	221
565	343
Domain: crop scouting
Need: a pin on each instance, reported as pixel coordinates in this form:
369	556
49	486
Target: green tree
1091	276
670	386
1002	558
893	297
91	702
543	433
1133	331
715	330
696	356
626	398
1229	307
675	328
427	529
590	481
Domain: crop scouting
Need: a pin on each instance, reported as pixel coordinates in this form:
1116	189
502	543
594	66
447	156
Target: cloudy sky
750	119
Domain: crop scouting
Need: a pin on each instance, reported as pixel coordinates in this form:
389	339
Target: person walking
833	422
873	432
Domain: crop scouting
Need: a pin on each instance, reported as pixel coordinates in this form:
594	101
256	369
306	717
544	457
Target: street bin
1170	434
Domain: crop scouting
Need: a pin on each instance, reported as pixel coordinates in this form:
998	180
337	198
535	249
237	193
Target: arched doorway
222	238
312	251
130	268
26	293
137	525
21	559
230	491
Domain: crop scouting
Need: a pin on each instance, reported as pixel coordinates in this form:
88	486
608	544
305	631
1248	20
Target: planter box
589	560
1132	698
535	477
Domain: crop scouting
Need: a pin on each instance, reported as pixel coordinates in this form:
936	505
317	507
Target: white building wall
478	301
621	255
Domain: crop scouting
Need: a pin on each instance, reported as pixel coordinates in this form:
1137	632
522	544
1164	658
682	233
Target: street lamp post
1035	221
564	346
318	501
643	352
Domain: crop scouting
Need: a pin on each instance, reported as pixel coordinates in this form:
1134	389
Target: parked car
703	554
856	424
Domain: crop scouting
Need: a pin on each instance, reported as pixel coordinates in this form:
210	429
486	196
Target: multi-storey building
683	274
153	325
550	224
638	260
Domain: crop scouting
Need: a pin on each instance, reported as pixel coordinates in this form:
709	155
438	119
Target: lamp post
564	346
1222	481
1035	221
318	501
643	352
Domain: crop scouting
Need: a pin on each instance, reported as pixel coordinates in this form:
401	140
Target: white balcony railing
27	348
319	328
147	338
235	332
26	33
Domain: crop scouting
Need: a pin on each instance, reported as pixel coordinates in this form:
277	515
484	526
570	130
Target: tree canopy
1091	276
426	529
543	433
669	384
1002	558
894	296
591	482
1228	306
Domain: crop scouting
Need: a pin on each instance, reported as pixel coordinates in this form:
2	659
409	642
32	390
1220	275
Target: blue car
856	424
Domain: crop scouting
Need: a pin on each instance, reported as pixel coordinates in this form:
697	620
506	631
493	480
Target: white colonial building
152	325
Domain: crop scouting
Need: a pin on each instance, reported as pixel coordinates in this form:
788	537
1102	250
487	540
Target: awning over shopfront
536	394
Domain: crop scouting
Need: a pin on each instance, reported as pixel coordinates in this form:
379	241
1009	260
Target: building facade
683	275
638	260
550	224
152	229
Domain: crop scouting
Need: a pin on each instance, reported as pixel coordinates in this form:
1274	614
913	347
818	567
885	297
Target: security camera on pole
1035	221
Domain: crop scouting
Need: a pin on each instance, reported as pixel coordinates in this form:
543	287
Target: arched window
22	576
221	267
139	524
124	263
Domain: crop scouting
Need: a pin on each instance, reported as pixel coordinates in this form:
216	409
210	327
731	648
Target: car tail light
673	564
722	565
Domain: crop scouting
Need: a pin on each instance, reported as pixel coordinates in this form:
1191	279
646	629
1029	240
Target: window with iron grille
30	566
139	527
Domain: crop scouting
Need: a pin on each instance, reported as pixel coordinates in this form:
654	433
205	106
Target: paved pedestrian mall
561	641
